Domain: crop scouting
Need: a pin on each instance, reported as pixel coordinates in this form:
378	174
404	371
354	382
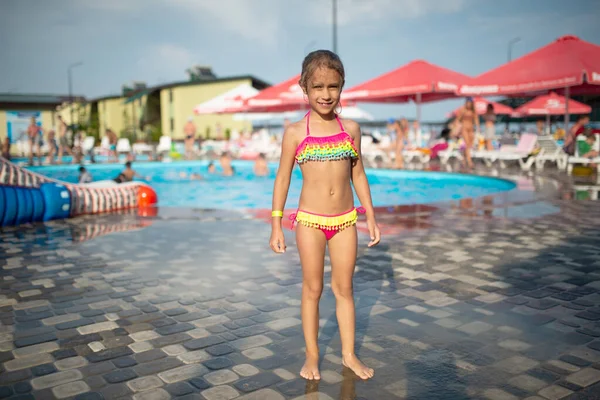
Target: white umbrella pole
418	132
566	111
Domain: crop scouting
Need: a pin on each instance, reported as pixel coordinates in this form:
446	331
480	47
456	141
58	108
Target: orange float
146	196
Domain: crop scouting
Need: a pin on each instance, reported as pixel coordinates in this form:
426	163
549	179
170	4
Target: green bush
155	133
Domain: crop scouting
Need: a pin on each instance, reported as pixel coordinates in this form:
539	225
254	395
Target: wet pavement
495	298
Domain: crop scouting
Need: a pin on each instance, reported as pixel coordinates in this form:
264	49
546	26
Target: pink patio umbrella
552	104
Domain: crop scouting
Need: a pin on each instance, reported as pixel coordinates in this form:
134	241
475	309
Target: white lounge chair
123	146
370	151
142	148
88	144
519	153
164	145
577	159
104	147
550	151
416	155
451	152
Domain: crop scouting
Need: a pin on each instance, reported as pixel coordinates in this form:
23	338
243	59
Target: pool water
244	190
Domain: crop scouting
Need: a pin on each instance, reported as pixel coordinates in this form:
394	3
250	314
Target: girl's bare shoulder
296	130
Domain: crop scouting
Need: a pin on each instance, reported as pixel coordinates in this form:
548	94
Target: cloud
164	62
361	11
110	5
255	20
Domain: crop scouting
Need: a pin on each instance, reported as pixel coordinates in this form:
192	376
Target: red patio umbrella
418	80
568	62
552	104
285	96
481	107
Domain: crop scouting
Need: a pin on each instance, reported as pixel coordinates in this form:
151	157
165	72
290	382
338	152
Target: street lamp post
69	73
334	4
511	43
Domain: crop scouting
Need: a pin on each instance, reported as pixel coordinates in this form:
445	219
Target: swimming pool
244	190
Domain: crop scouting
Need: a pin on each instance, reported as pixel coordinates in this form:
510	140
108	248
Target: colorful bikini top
326	148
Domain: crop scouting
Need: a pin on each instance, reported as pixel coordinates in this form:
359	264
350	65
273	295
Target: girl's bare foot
360	369
310	370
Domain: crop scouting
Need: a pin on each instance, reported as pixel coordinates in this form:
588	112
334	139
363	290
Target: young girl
328	152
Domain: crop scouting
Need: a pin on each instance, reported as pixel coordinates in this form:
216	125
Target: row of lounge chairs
530	150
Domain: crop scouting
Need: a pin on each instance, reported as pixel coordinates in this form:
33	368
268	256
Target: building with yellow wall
174	104
168	107
164	109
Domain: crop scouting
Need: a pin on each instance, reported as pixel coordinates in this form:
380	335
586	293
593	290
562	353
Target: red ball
146	196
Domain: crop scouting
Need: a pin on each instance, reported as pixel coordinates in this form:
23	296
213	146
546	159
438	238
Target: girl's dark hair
317	59
490	107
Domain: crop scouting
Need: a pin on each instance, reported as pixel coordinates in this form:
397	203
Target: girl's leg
311	246
342	251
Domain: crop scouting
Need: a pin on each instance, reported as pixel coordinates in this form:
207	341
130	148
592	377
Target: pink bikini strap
340	122
307	121
293	219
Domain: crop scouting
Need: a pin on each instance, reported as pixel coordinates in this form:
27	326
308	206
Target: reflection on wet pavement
490	298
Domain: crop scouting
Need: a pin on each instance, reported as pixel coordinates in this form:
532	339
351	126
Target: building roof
257	83
107	97
22	98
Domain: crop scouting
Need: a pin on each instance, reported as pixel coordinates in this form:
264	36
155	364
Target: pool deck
495	298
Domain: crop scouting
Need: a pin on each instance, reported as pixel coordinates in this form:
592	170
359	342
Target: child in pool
328	152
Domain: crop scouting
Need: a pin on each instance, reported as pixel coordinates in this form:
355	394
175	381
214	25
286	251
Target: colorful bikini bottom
328	224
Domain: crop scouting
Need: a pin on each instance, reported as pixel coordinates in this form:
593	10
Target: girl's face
469	104
324	88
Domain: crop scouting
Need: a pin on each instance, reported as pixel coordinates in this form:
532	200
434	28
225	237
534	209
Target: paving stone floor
460	303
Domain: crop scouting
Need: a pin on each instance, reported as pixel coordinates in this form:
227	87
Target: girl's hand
277	241
373	233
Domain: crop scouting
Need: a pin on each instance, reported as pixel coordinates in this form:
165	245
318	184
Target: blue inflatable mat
19	205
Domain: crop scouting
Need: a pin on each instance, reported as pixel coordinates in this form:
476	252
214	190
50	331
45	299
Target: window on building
171	96
172	125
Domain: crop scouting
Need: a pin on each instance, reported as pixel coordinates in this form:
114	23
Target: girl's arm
284	174
361	184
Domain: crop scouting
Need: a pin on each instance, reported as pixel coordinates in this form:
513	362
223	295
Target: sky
155	41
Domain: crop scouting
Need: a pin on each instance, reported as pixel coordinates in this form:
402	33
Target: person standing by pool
190	136
52	145
468	119
401	128
63	143
112	145
6	148
34	133
489	120
326	216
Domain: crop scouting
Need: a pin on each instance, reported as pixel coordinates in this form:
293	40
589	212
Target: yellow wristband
276	213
